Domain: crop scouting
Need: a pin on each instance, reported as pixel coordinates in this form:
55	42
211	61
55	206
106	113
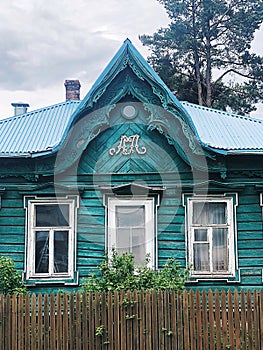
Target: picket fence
154	320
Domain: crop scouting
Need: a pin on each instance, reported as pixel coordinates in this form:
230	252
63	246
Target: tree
205	53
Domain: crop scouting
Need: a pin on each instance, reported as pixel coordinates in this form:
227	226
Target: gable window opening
211	236
131	228
51	238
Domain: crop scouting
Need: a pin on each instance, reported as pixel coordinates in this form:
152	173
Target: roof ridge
230	114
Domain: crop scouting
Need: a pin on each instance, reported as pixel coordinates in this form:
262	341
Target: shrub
120	273
10	280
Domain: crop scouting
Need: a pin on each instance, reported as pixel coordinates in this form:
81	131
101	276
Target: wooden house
131	167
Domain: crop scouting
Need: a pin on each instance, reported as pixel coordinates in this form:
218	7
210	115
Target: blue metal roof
43	131
35	132
226	131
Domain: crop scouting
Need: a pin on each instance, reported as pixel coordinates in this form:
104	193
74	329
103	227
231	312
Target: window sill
53	280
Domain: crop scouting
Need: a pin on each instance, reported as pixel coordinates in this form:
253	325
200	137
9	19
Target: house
131	167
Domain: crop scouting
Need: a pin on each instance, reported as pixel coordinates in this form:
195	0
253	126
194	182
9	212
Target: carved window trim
230	199
68	277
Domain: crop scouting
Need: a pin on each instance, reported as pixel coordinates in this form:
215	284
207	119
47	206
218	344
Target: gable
129	145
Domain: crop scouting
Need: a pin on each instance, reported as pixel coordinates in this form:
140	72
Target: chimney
72	89
20	107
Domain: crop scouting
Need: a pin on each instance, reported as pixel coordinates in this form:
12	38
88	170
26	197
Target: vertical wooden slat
137	321
84	322
173	320
27	301
14	322
205	320
78	322
224	319
192	321
154	320
21	328
180	330
52	322
33	323
243	320
122	322
65	322
249	321
116	315
110	322
8	317
231	323
129	319
261	318
98	325
71	322
104	319
186	320
91	322
217	320
237	320
161	320
40	322
256	316
59	322
211	320
46	322
199	321
148	321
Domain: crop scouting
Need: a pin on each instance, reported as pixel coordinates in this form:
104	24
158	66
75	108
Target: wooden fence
133	321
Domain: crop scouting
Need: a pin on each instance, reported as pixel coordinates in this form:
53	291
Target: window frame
149	204
231	203
32	228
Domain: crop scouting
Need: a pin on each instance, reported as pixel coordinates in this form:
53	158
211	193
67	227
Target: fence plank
160	320
211	319
204	320
192	321
224	319
231	323
39	322
243	320
237	320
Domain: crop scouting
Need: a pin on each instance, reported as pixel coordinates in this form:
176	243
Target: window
211	235
131	227
51	238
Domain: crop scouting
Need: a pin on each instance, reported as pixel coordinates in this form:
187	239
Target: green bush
120	273
10	280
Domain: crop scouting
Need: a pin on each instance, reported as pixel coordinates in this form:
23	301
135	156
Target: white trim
30	204
231	201
150	223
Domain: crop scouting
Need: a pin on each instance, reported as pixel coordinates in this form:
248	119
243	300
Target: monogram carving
127	146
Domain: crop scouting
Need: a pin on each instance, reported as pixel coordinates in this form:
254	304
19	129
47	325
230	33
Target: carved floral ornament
128	145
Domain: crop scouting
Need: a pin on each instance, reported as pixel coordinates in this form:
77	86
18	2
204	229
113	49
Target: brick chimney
72	89
20	107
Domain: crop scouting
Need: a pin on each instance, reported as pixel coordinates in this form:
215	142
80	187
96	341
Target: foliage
10	280
119	272
205	53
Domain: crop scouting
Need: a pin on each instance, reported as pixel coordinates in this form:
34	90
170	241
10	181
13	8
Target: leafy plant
119	272
10	280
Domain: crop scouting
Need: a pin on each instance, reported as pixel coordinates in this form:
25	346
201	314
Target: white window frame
230	225
150	223
30	205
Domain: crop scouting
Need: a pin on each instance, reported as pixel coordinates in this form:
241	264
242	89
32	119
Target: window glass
206	213
220	249
130	231
61	251
42	252
52	215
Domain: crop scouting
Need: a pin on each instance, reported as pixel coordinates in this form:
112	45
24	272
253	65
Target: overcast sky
42	43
